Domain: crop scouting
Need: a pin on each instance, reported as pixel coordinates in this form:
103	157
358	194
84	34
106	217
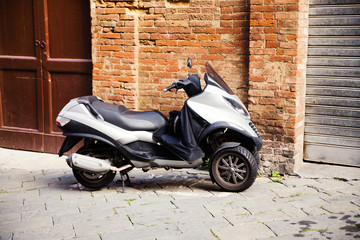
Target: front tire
233	169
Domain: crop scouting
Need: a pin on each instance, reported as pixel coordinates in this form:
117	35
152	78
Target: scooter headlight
237	106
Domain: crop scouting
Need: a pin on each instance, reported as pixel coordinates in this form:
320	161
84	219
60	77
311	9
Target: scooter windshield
215	76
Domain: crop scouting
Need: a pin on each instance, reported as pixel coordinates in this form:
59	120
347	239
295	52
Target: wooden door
45	60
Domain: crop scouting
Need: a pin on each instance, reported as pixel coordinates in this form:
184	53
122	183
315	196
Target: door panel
19	87
69	37
17	28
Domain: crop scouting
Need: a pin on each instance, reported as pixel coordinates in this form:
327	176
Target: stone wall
277	74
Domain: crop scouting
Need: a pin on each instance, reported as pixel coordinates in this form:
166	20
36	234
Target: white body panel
211	106
78	112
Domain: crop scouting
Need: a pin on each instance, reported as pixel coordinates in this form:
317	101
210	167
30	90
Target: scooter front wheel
233	169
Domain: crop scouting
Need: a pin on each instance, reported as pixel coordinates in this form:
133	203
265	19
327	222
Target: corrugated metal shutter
332	120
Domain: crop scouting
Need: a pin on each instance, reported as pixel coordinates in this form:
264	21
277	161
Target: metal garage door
332	120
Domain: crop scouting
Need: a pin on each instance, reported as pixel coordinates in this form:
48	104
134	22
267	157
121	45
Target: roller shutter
332	115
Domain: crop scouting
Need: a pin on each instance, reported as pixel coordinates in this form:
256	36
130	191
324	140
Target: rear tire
92	180
233	169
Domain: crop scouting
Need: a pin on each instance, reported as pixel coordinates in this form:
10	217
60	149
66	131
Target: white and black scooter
213	125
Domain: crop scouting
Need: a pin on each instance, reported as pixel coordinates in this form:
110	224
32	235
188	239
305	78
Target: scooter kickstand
123	180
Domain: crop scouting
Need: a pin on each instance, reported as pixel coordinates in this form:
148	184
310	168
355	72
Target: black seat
130	120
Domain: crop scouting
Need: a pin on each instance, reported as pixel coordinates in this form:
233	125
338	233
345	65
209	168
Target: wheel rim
92	176
232	169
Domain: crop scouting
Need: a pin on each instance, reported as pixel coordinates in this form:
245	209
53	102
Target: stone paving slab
46	202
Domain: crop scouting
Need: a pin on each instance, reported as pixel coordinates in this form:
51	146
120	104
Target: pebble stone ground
40	199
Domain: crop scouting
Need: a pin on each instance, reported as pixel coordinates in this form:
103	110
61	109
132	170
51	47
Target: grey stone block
245	231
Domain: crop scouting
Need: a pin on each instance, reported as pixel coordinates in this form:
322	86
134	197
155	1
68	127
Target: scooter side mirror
189	63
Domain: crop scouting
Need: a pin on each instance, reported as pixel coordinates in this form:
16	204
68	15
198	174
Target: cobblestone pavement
44	201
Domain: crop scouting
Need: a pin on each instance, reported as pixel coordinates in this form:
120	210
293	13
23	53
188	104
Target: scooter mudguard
68	144
257	141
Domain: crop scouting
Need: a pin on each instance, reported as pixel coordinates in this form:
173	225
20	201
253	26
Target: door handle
43	44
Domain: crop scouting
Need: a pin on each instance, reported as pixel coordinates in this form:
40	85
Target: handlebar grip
170	87
178	84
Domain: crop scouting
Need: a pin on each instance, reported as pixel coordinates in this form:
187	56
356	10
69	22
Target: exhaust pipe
92	164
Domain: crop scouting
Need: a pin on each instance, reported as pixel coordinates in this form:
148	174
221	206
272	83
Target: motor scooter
213	126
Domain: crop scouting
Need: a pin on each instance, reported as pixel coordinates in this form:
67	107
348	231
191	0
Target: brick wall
141	47
258	47
277	73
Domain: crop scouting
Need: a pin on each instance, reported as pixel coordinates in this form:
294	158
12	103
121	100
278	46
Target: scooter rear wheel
92	180
233	169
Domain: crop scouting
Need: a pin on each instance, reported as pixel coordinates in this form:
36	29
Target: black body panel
256	141
180	135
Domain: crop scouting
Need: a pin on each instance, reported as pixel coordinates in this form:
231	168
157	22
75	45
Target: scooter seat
130	120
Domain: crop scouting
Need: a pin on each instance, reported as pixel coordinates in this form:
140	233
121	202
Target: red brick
109	35
124	29
286	94
124	55
203	30
178	30
257	15
166	43
166	62
281	59
272	44
263	8
268	15
261	93
271	30
211	43
115	10
208	37
226	24
271	37
188	43
257	37
200	24
108	17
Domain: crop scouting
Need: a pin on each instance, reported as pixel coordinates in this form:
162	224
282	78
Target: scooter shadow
171	181
154	180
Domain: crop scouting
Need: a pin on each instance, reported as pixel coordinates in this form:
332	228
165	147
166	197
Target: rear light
61	121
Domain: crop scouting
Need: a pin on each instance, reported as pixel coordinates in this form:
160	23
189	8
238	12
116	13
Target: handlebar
178	84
